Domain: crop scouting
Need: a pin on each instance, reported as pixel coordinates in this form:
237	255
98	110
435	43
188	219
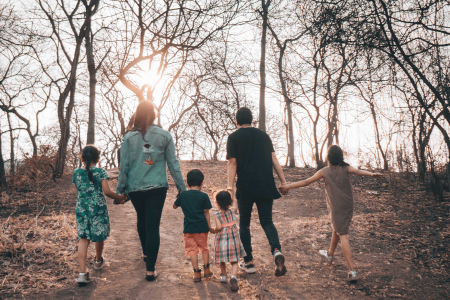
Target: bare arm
232	166
218	225
208	218
356	171
278	169
108	193
285	188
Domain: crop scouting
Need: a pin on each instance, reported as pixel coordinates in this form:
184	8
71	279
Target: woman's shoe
234	283
278	259
151	277
197	275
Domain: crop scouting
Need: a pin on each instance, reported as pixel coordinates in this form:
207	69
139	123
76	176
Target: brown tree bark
262	66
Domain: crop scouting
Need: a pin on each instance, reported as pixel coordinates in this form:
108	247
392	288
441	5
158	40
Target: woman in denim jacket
142	175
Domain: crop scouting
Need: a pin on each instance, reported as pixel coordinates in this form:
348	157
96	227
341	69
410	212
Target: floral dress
228	246
91	210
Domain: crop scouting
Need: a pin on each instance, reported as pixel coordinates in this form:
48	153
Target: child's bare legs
82	253
234	268
194	261
205	257
99	250
334	242
223	268
345	244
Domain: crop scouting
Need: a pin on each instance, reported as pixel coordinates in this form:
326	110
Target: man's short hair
244	116
195	177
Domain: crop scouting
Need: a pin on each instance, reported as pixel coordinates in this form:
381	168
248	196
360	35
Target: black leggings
264	207
149	206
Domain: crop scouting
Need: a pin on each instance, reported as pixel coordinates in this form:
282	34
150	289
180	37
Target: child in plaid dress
227	246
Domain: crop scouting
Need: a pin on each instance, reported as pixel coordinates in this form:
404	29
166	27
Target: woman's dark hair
223	199
145	115
90	154
335	156
195	177
244	116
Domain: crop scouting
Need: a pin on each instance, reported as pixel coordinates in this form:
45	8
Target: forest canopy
371	76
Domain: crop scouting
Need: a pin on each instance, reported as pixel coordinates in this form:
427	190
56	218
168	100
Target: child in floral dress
228	246
91	209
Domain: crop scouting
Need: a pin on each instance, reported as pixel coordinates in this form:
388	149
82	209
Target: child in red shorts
197	223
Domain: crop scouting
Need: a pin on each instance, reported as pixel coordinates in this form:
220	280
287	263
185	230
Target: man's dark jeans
149	206
264	207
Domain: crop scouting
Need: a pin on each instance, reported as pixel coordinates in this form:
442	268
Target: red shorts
195	243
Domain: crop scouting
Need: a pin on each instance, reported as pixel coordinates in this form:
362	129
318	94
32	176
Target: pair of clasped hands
284	189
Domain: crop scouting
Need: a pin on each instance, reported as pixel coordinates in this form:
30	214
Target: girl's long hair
90	154
335	156
145	115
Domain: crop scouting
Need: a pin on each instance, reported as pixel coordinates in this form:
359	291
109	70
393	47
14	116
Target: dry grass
37	252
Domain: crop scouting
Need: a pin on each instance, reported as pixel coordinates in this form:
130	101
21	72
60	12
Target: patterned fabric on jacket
228	246
91	210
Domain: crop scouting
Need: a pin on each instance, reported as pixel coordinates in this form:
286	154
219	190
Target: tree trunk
12	163
64	120
291	143
262	67
2	165
92	82
377	137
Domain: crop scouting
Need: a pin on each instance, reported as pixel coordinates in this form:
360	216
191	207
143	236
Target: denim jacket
143	161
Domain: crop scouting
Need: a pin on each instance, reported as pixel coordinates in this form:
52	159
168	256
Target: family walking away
147	150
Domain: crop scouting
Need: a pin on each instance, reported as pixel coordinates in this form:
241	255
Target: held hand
212	230
377	175
123	199
284	189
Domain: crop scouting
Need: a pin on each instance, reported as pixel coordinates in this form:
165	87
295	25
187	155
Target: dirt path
386	241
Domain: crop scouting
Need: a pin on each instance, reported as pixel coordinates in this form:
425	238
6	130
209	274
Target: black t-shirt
193	203
253	149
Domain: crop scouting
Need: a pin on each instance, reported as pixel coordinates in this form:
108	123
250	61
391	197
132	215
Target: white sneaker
98	265
234	284
223	278
324	253
278	259
247	267
352	276
83	279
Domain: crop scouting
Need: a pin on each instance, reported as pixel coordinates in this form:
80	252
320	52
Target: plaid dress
228	245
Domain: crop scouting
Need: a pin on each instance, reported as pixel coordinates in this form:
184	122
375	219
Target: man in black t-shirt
251	156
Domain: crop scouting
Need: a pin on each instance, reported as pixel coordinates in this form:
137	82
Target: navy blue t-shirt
193	203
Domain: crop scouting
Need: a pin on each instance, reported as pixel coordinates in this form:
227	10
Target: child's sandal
197	275
223	278
207	271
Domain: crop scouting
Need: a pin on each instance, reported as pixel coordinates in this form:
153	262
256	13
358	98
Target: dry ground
400	239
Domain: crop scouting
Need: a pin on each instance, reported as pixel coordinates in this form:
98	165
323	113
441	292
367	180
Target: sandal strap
206	266
198	271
